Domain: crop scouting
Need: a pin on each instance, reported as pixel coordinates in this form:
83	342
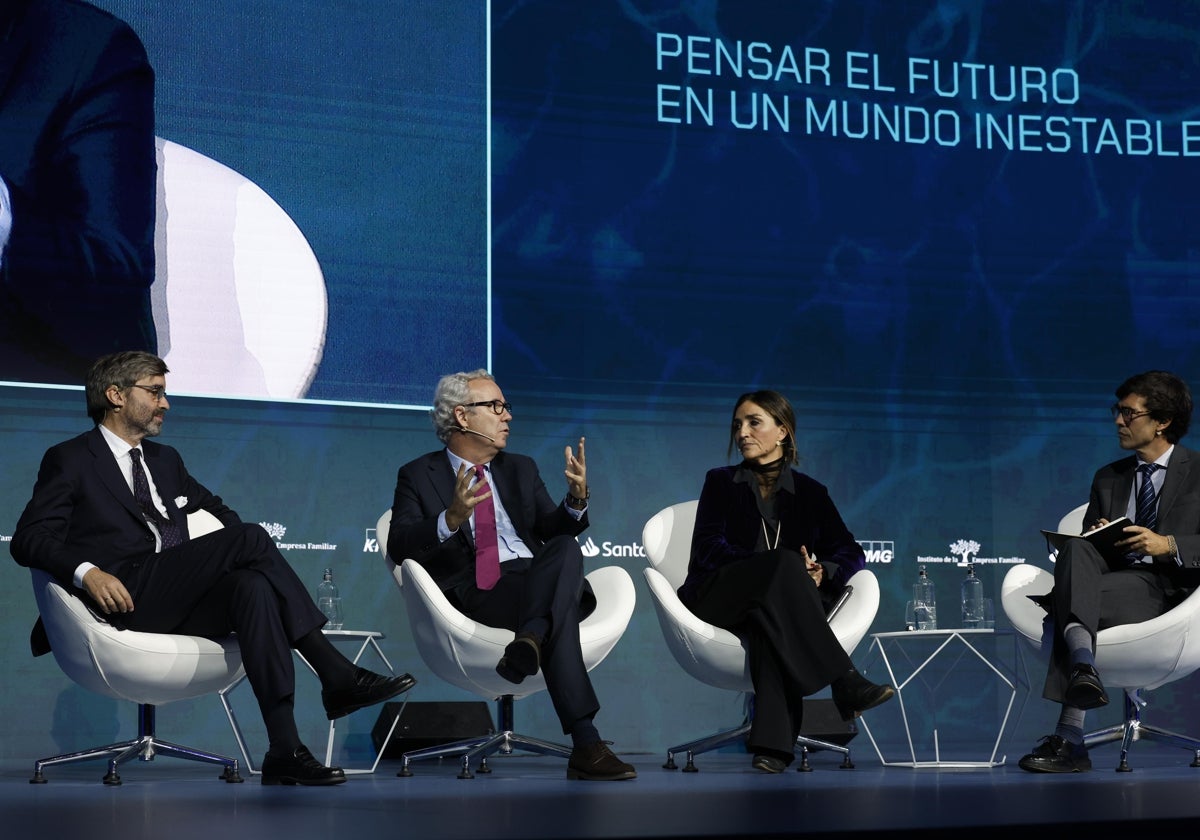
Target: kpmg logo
878	551
371	542
611	549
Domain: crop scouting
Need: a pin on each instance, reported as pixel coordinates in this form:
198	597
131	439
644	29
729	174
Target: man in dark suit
109	517
1158	489
464	509
77	190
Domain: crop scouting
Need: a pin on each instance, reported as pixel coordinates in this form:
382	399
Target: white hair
452	390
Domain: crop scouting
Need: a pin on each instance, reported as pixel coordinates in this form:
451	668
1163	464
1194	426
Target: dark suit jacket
425	488
728	526
82	509
77	152
1178	504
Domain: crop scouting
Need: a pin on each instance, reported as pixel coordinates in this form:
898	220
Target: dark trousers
233	580
550	587
769	601
1090	591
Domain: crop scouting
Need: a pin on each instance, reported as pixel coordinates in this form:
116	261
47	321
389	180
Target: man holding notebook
1156	562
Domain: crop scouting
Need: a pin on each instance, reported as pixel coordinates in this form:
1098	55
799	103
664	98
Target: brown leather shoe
522	658
597	763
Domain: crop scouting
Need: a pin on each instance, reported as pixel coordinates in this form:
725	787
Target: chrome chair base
730	736
1132	729
503	741
145	747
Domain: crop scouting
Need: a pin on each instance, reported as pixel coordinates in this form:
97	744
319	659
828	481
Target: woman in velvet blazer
769	552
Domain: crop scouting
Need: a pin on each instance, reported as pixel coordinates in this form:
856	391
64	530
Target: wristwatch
576	502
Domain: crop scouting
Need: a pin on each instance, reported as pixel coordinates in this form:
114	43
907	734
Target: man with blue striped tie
1158	489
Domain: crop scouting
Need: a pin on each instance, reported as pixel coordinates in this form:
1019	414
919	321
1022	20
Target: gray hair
453	390
120	369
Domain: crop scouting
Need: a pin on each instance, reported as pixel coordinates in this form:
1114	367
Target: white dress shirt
1157	478
510	545
120	450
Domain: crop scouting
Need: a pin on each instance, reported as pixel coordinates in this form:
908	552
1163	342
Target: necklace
767	537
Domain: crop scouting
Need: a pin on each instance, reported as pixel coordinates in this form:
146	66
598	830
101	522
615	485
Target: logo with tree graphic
964	548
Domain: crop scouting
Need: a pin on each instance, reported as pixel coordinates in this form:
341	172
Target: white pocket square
180	501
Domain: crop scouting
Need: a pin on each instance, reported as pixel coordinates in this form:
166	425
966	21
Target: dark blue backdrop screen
887	198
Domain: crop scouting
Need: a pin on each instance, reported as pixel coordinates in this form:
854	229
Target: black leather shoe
367	689
1085	691
768	764
1054	754
299	768
597	763
853	694
522	658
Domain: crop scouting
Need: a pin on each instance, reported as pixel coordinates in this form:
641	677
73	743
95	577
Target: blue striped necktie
1147	499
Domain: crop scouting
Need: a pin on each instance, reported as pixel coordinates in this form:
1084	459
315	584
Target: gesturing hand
576	472
465	487
815	570
107	591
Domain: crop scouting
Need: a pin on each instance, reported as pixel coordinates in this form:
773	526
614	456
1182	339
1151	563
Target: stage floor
530	797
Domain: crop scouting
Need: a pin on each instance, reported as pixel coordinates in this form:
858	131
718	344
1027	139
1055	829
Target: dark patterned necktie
167	529
1147	507
487	550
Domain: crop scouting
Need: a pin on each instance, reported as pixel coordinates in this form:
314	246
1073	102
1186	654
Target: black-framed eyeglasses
157	391
1126	413
497	406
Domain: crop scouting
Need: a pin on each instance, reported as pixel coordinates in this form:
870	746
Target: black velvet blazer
728	527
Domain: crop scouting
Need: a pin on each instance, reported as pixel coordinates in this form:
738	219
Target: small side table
908	657
367	640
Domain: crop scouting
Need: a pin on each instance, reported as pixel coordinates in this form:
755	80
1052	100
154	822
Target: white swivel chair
1132	657
149	669
715	656
464	653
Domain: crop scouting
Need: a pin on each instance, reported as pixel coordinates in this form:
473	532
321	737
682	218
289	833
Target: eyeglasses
157	391
496	406
1126	413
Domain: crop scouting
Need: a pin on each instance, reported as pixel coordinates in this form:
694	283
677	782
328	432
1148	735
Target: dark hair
1168	399
779	409
120	369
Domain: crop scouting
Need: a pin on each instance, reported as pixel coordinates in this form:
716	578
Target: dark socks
584	732
333	669
282	736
